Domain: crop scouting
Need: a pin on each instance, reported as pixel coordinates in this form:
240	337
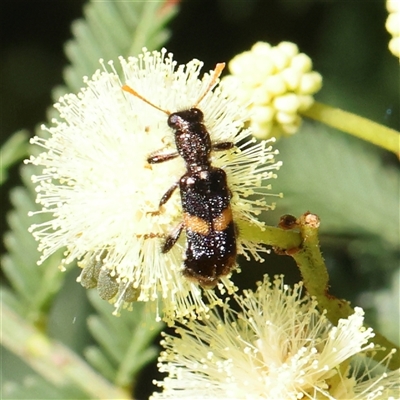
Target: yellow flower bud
276	83
393	26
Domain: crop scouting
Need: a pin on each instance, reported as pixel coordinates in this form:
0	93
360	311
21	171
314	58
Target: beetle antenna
128	89
217	72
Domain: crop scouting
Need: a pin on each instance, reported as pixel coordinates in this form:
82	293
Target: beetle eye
173	120
197	114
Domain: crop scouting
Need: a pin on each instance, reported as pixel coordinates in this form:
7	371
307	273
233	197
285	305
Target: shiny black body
205	197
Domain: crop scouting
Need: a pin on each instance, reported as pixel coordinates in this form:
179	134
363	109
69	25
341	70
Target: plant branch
355	125
270	235
55	362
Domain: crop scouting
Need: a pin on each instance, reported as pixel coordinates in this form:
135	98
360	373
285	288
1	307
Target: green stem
316	280
299	239
355	125
313	270
55	362
270	235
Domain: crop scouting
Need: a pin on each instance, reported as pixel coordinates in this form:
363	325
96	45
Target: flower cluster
276	83
278	346
393	25
102	196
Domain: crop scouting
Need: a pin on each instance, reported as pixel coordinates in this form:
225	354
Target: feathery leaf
341	180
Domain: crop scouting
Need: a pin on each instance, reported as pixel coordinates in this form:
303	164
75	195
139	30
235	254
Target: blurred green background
350	184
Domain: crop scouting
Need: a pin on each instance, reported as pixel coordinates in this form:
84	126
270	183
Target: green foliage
32	386
326	172
13	150
112	29
387	306
124	345
341	179
33	286
345	182
125	342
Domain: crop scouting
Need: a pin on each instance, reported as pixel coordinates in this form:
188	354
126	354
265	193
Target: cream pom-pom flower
101	195
277	346
276	83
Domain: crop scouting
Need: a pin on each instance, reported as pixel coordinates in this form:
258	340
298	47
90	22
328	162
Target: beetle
205	195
